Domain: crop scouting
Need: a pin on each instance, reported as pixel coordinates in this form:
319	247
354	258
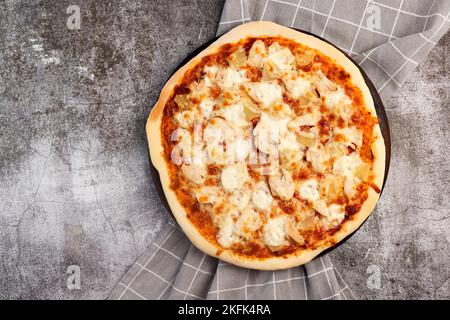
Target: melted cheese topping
269	132
234	114
230	78
249	222
261	197
339	103
206	107
282	185
275	231
226	236
302	166
297	85
318	156
216	131
196	173
257	54
240	199
208	194
346	165
234	176
279	61
265	93
352	136
182	152
309	119
332	216
309	190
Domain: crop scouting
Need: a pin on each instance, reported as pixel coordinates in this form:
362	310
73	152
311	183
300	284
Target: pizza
268	147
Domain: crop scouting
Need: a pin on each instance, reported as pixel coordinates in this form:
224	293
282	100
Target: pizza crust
153	130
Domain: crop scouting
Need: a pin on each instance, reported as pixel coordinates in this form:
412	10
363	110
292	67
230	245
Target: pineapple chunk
238	58
304	58
363	171
182	101
306	138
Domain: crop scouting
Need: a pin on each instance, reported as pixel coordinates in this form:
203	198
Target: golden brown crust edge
153	130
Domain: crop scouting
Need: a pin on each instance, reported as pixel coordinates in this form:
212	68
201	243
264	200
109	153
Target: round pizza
268	147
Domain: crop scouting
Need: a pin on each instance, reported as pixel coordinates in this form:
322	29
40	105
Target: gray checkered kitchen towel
173	268
388	38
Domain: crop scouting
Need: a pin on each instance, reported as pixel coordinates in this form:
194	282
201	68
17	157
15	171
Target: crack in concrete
103	210
18	225
440	286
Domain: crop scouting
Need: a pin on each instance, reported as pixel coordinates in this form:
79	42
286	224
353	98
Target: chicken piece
282	185
195	173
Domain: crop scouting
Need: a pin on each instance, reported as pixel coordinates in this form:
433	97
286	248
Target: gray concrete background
74	172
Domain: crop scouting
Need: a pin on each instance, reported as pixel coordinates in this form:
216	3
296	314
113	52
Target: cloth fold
388	39
172	268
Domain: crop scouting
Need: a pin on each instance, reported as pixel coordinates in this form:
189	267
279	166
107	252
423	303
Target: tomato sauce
361	119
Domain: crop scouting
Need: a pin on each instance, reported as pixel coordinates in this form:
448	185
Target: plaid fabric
172	268
388	39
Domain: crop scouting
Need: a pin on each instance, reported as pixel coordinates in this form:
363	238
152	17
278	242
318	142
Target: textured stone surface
408	237
75	181
74	169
